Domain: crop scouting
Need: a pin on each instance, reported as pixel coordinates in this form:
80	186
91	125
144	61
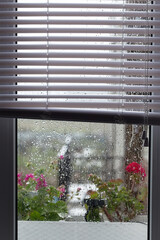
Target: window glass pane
73	174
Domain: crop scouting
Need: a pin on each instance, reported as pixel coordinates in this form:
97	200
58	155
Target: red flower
143	173
134	167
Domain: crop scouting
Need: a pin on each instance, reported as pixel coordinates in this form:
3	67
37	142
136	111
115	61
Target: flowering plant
137	173
36	199
19	179
62	190
136	169
121	204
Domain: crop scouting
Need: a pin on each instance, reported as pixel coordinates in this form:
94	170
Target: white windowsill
81	231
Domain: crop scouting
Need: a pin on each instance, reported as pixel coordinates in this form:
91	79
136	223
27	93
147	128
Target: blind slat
148	40
84	96
62	104
135	6
52	47
80	22
83	115
90	71
115	80
86	63
80	30
91	87
79	13
138	56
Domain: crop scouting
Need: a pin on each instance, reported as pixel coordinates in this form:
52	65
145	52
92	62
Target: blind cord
144	136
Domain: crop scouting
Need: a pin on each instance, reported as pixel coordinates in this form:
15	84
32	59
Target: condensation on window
82	172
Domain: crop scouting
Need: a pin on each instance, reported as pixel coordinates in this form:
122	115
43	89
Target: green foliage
94	195
93	215
122	205
23	203
40	205
36	216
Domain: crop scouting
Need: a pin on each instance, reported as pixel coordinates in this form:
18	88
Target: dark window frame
8	176
8	149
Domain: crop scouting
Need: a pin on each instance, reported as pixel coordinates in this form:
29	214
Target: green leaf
53	216
36	216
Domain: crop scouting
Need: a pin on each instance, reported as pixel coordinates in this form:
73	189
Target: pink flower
134	167
19	174
78	189
62	190
61	157
19	180
41	182
28	176
90	175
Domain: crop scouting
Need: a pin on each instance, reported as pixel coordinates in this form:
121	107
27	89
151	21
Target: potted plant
37	201
93	209
121	204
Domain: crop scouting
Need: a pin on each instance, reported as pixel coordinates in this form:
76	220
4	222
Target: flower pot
95	202
93	211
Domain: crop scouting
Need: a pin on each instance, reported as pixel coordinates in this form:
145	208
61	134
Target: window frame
8	152
154	180
8	177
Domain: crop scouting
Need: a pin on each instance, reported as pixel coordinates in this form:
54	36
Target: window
72	157
98	116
